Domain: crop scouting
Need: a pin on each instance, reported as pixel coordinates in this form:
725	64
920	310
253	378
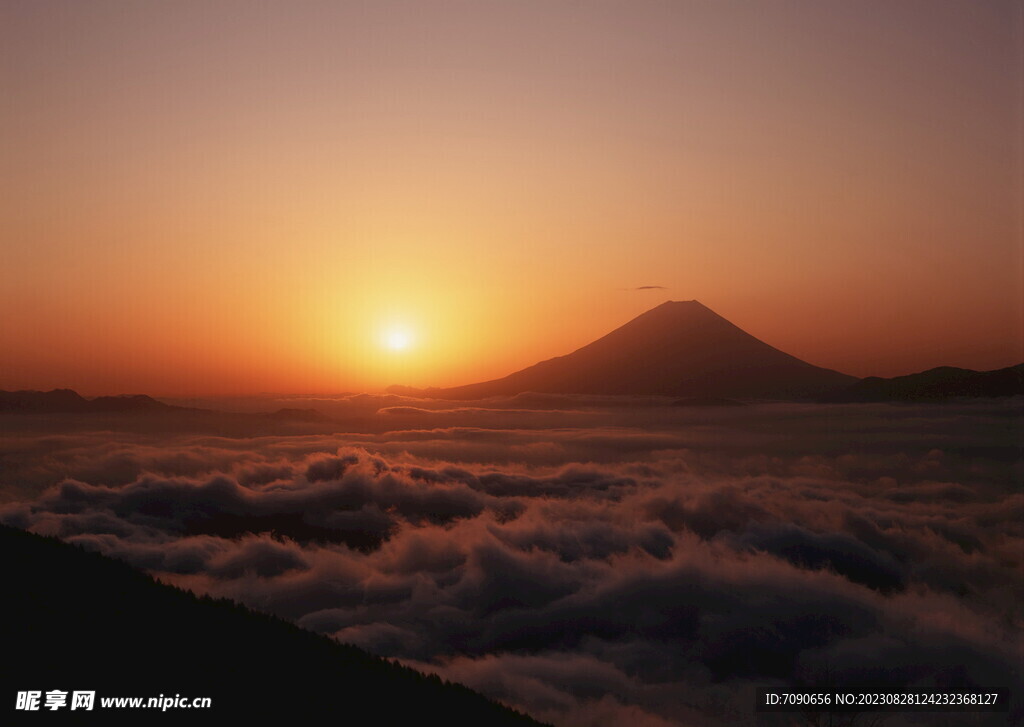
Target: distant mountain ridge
944	382
67	400
675	349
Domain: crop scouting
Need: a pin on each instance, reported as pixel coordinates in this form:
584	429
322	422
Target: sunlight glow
397	340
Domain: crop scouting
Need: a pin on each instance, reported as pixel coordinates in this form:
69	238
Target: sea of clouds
592	562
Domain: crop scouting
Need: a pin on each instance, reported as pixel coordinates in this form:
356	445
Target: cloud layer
592	565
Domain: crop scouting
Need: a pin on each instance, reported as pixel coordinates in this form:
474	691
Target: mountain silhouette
944	382
57	400
80	620
675	349
62	401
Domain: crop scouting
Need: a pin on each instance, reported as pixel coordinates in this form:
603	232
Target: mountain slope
676	349
75	620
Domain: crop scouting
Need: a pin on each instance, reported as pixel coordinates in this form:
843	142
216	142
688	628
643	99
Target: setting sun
397	339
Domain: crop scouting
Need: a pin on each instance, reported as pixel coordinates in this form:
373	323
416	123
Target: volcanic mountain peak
679	311
681	305
668	321
679	348
678	305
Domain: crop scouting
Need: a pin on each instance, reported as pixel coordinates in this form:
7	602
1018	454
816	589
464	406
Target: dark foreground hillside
74	620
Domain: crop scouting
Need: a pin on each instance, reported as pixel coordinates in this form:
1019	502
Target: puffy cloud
592	564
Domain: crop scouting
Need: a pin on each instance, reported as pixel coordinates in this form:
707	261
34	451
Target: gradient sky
236	197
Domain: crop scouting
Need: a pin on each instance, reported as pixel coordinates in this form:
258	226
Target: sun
397	339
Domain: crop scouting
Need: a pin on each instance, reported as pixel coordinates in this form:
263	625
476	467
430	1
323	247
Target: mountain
676	349
944	382
58	400
75	620
68	401
127	402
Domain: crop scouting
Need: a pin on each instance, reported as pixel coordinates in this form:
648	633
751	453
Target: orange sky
235	197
